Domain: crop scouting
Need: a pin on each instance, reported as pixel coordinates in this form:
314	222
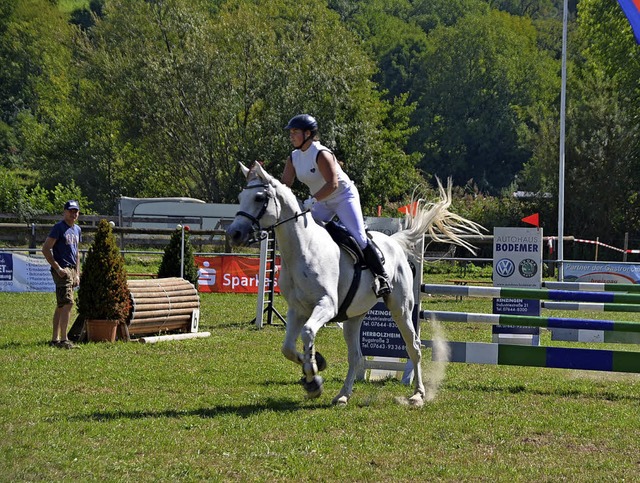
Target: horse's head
259	207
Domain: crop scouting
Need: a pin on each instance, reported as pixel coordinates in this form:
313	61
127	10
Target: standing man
61	251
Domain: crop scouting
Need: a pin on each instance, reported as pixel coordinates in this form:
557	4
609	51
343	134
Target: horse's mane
258	173
437	221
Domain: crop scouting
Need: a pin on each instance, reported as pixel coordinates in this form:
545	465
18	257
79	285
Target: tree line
163	97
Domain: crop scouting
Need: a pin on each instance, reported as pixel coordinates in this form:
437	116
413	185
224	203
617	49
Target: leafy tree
430	14
12	191
197	92
34	82
609	46
19	196
602	153
483	80
532	8
84	17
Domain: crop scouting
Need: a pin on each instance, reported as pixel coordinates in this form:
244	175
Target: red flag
533	219
410	208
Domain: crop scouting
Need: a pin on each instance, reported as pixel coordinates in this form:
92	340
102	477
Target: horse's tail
436	220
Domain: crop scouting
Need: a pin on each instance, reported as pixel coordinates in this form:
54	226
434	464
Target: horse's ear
259	170
244	169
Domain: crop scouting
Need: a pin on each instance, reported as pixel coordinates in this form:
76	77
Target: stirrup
380	286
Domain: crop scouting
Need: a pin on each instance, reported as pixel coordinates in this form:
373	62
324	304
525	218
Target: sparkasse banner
231	274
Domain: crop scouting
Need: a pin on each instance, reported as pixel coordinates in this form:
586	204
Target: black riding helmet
304	122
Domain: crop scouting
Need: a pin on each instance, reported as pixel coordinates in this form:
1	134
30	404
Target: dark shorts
64	286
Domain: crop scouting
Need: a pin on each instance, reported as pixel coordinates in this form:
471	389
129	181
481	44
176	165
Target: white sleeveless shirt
306	166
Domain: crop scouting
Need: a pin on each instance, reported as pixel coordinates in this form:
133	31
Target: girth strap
355	283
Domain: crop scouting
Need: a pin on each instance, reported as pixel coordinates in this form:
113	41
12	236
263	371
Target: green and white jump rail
593	286
533	356
589	306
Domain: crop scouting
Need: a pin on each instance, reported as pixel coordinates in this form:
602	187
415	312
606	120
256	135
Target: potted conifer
103	297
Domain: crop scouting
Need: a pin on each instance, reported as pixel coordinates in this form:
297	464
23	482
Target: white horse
316	273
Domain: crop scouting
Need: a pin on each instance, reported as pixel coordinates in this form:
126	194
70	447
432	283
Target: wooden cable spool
162	305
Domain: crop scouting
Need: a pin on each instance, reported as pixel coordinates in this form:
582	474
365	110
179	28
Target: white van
169	212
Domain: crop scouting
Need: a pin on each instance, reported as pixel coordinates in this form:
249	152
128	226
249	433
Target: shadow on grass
25	344
282	382
243	410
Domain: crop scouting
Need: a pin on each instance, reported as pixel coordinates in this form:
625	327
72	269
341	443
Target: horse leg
351	333
320	315
401	310
294	326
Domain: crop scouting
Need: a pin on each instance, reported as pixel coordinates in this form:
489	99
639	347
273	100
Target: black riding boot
380	278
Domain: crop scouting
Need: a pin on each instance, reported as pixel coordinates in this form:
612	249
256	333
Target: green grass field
228	408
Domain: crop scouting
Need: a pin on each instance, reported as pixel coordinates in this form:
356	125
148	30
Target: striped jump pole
589	306
532	293
532	321
532	356
593	286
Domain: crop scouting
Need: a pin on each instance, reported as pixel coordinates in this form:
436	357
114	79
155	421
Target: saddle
344	240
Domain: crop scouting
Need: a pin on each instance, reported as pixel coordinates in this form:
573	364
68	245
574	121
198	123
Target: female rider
332	192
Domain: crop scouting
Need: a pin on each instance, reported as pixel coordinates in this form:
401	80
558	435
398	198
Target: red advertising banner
231	274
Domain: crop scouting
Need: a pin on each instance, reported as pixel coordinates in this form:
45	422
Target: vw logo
505	267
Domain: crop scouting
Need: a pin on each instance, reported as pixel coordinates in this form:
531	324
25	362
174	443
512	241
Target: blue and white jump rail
625	302
591	295
532	321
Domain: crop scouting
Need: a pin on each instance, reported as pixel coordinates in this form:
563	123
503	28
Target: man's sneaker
66	344
54	343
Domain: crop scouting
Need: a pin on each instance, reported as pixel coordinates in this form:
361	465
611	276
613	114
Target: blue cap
72	205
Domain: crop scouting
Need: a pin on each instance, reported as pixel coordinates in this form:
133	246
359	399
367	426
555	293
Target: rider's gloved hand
309	202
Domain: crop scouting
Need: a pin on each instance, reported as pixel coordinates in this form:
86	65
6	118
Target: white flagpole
563	106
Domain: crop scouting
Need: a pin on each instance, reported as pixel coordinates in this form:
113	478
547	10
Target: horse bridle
255	220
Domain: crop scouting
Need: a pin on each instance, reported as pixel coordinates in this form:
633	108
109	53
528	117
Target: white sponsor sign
20	273
517	262
517	257
601	272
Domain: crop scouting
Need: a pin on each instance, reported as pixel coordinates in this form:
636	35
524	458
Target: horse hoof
321	362
340	400
321	365
313	388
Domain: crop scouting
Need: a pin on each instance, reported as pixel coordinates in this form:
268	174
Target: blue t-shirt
65	251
